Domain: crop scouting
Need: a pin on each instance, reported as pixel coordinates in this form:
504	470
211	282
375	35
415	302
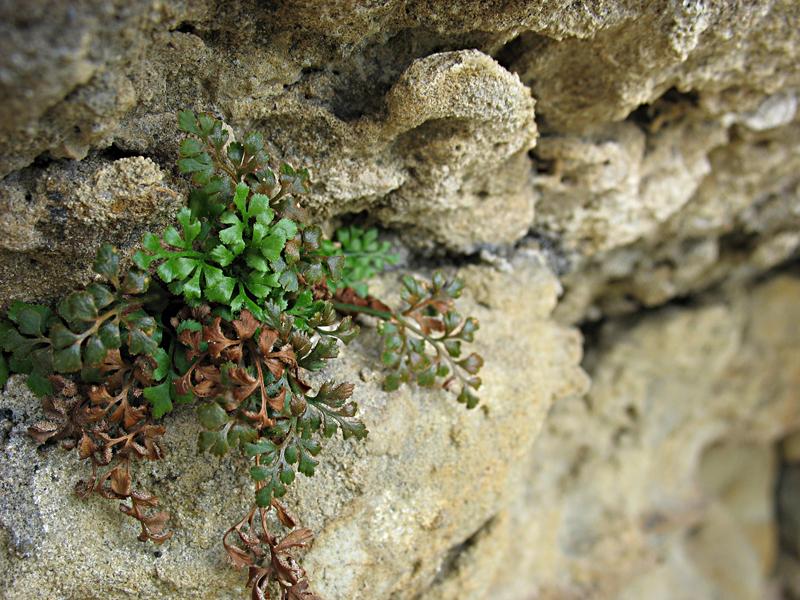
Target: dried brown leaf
297	538
283	514
43	431
121	481
267	340
245	325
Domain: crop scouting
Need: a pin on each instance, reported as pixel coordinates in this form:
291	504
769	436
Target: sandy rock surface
630	169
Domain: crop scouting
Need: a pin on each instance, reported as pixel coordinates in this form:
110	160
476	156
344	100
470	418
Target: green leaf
207	124
135	282
453	348
427	377
235	152
259	473
188	122
254	261
467	332
31	318
163	364
173	238
143	261
468	398
178	267
265	494
454	288
190	147
240	198
160	398
191	288
472	363
288	281
306	466
259	208
218	287
262	446
221	255
41	359
61	337
232	236
240	434
67	360
109	334
253	143
313	273
3	371
107	262
101	294
211	415
392	382
272	245
39	384
336	266
285	228
311	237
151	242
214	441
200	163
9	336
189	324
141	342
78	306
94	351
191	227
261	284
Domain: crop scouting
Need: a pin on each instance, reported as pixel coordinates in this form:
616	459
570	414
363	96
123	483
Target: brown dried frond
109	424
63	412
250	544
348	295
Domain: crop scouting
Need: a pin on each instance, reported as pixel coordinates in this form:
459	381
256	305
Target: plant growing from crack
248	298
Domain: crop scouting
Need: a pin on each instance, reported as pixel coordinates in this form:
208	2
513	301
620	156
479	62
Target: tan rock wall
578	161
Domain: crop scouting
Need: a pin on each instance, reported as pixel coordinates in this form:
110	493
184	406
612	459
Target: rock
632	56
659	483
607	158
50	235
429	475
706	241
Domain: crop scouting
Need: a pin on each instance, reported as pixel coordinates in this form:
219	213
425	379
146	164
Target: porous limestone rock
733	54
390	513
399	110
659	483
50	234
742	220
646	151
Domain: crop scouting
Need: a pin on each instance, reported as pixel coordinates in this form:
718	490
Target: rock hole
521	45
455	555
114	152
416	567
186	27
542	166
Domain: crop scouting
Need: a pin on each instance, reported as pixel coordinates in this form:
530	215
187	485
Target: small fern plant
230	310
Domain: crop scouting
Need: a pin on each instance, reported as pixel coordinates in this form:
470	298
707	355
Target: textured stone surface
741	220
659	483
644	151
50	233
400	111
388	512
